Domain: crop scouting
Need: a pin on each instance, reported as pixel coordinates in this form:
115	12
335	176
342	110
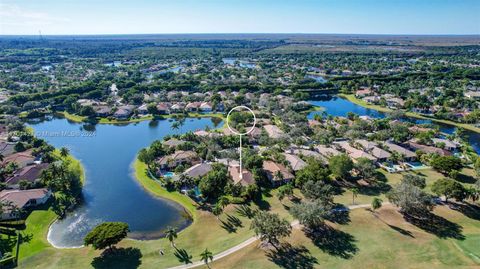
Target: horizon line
241	33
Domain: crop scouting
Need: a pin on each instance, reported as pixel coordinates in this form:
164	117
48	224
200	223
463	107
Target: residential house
354	153
206	107
472	94
198	170
22	199
372	148
273	131
177	107
173	142
295	162
193	106
30	173
448	144
327	152
245	179
163	108
277	173
123	112
22	159
7	148
427	149
177	158
102	111
363	92
408	155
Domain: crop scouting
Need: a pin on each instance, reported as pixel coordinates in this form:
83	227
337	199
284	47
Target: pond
337	106
111	193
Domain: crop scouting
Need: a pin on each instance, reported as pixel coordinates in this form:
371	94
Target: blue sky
239	16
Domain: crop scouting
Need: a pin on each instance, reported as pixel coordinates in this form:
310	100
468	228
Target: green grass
102	120
35	234
353	99
386	241
155	188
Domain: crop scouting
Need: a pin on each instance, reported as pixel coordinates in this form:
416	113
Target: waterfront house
163	108
123	112
206	107
363	92
447	144
102	111
22	199
277	173
198	170
173	142
177	158
193	106
30	173
177	107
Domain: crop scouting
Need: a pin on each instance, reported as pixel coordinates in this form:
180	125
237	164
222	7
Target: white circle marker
240	134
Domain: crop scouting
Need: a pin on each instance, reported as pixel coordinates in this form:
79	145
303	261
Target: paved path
249	241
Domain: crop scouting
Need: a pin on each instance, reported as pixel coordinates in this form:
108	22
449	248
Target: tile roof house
449	144
273	131
30	173
246	178
193	106
177	158
273	169
353	152
408	154
6	148
123	112
22	199
198	170
21	158
428	149
327	152
206	107
173	142
163	108
295	162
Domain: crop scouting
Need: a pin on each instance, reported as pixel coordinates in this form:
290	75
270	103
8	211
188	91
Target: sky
79	17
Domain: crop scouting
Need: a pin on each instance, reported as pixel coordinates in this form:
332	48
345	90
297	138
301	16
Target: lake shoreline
101	120
353	99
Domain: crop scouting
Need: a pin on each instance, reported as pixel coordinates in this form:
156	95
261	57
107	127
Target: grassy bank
353	99
155	188
102	120
39	220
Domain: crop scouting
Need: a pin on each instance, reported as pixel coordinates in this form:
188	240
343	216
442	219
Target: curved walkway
249	241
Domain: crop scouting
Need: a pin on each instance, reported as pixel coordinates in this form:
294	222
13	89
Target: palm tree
64	152
175	125
217	210
171	234
354	194
206	255
223	201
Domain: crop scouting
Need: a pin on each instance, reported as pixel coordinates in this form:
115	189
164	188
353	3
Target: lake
337	106
111	193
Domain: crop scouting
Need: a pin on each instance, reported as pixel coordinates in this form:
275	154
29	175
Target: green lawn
154	187
386	241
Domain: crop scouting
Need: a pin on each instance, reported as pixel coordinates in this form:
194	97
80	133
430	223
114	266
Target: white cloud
14	18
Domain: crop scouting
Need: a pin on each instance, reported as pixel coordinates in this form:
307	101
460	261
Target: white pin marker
241	134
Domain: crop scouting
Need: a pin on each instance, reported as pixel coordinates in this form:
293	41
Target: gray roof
198	170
